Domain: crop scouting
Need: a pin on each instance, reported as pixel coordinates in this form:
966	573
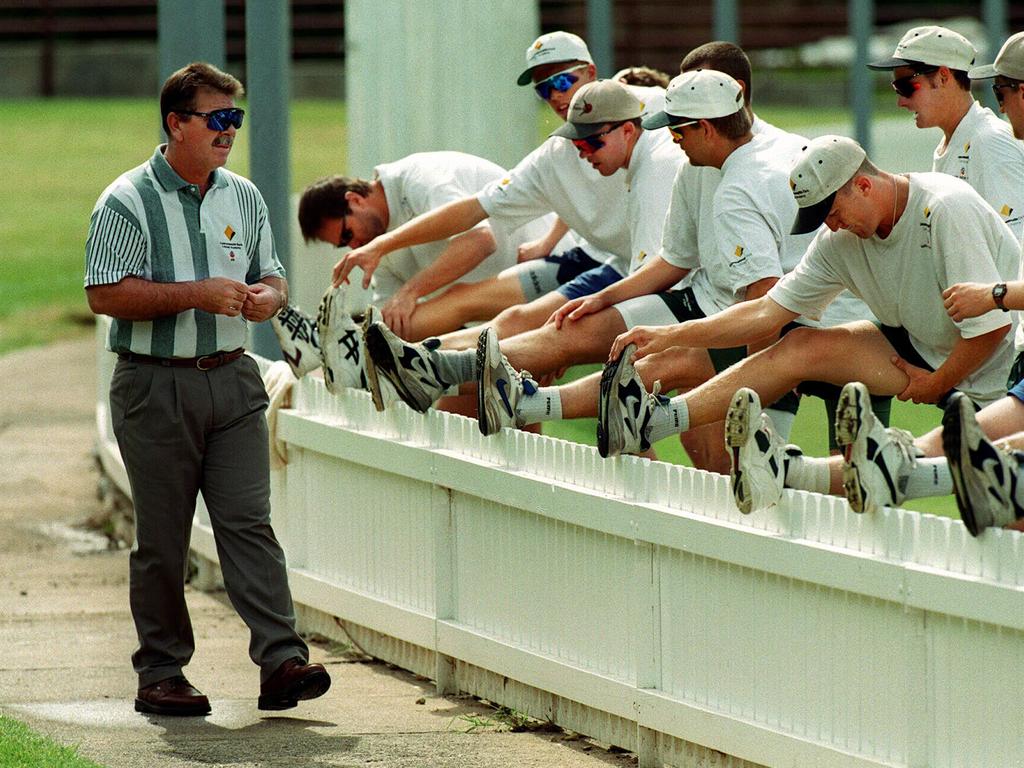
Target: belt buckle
214	361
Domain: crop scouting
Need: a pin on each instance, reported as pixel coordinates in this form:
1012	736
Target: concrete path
66	632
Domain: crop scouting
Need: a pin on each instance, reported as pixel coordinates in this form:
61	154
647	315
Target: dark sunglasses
346	235
998	88
593	142
560	81
218	119
906	87
677	129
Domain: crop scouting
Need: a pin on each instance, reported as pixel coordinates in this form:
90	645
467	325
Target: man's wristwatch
998	294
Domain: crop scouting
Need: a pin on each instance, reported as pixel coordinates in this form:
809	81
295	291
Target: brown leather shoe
173	696
292	682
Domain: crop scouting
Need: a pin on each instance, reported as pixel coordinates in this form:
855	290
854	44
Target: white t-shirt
731	227
983	152
947	234
649	179
423	181
554	177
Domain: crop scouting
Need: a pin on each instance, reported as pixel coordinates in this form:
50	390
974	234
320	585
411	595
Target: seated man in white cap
879	225
726	236
980	476
930	73
551	178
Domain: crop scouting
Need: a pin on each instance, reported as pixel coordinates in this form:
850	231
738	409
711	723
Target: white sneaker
382	392
339	343
877	460
299	340
985	477
499	386
408	367
758	453
625	407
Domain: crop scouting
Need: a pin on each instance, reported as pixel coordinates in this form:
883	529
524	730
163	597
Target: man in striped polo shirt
181	256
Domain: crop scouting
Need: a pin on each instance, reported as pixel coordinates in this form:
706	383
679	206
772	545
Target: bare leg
518	318
856	352
549	349
463	303
1002	418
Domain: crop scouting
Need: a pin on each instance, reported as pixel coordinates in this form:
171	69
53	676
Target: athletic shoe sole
609	383
849	422
372	382
740	424
485	380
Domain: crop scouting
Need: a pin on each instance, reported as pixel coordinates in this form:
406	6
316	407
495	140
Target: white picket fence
630	601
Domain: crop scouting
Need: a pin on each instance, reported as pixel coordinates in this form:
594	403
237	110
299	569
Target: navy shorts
591	281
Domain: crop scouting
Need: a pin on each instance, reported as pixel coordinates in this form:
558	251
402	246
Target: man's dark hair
180	89
645	76
325	199
721	57
734	126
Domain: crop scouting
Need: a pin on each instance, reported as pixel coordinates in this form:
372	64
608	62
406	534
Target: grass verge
22	748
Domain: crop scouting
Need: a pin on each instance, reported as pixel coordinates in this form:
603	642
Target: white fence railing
630	601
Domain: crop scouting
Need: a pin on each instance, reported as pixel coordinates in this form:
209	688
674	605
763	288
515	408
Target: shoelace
905	443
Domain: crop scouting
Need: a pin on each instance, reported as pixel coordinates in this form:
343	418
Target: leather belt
204	363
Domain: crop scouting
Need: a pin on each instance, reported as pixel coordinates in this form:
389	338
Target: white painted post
444	582
424	75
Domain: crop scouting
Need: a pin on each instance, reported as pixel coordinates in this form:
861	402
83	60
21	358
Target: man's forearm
134	298
658	275
462	255
740	324
438	224
967	356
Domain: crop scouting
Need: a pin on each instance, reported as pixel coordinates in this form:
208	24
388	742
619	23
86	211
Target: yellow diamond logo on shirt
967	147
739	251
1005	210
641	256
229	233
506	181
927	212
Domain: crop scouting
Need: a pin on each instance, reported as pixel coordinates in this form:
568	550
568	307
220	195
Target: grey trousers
182	431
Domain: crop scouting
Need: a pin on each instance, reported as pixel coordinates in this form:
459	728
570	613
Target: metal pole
861	15
726	23
601	35
189	32
268	68
994	13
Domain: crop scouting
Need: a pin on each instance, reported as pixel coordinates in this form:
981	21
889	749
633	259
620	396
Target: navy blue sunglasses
560	81
218	119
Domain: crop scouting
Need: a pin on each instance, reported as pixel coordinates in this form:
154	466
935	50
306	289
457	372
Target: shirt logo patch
967	147
229	233
739	251
1005	210
927	212
641	256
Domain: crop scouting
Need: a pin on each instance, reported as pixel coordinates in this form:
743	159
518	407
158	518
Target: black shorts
683	304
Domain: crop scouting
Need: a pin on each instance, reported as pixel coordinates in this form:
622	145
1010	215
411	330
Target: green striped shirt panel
151	224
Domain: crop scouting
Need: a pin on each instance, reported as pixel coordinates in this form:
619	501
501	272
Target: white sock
670	418
930	477
543	405
808	473
456	365
782	421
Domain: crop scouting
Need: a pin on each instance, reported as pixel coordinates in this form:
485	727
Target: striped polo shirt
152	224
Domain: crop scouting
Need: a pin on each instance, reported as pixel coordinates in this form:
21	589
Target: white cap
700	94
596	104
1009	63
824	165
552	48
932	45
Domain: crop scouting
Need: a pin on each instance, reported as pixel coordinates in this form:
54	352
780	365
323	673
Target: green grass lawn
21	748
68	150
